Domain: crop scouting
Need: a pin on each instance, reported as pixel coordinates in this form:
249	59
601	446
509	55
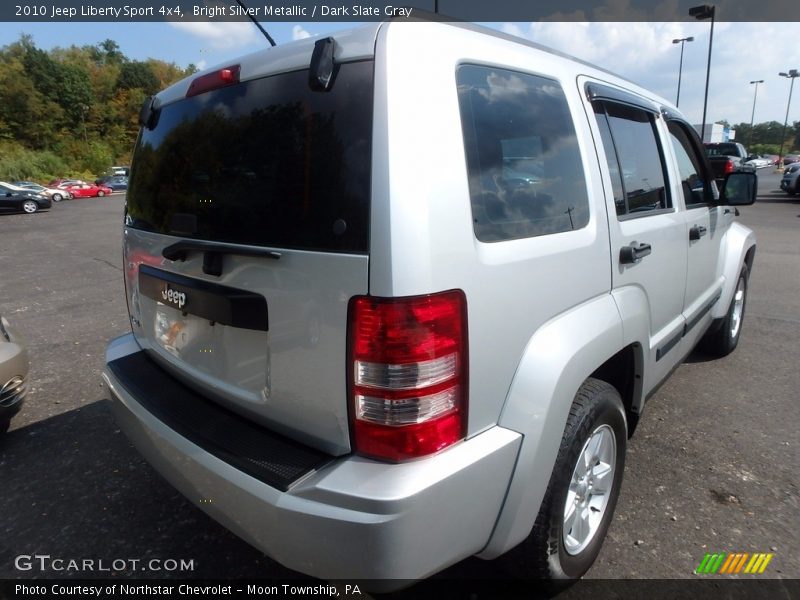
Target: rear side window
267	162
525	172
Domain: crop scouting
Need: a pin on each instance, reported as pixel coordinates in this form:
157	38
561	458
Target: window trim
597	92
639	215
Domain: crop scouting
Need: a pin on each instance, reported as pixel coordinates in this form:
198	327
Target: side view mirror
739	189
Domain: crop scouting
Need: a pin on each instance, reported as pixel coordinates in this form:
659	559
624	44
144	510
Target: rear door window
525	172
635	158
267	162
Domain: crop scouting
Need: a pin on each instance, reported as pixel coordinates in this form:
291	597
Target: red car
88	190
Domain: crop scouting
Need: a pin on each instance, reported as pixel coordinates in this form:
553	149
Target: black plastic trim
672	342
696	319
597	92
669	345
247	446
179	250
212	301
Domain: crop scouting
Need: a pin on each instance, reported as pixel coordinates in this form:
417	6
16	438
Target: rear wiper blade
179	250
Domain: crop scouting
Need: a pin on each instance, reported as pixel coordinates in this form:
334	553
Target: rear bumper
352	518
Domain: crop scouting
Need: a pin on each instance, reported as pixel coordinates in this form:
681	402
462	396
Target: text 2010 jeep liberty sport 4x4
398	296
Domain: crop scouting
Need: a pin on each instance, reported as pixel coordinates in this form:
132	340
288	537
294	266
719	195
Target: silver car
429	335
13	373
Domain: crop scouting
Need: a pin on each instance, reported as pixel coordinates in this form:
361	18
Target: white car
395	356
760	162
55	194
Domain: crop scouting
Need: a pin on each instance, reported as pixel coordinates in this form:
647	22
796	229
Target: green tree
73	110
137	74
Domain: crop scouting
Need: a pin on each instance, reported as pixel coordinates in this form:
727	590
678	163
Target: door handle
696	232
629	255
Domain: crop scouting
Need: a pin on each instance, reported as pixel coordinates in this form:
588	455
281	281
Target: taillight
408	374
214	80
729	166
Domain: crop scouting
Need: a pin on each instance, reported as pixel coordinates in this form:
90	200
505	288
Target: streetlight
753	114
705	11
791	75
681	41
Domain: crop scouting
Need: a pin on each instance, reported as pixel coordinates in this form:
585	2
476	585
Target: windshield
266	162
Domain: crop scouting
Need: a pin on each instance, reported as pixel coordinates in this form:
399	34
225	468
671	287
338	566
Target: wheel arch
740	248
623	371
558	358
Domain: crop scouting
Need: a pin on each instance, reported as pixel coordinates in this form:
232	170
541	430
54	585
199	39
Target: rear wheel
29	206
723	339
100	193
57	197
583	490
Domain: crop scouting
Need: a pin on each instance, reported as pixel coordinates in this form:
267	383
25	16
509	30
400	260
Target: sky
641	52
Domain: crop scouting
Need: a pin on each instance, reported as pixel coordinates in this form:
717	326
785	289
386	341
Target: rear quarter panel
422	238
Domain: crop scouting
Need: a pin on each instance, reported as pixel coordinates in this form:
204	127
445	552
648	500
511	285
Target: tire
723	337
30	207
57	197
100	193
563	545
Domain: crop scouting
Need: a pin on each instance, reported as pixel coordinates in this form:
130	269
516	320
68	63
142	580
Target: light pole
705	11
682	41
791	75
753	114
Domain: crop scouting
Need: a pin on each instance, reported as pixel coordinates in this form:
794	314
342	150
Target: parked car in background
55	194
791	179
115	182
13	198
759	162
790	159
13	373
88	190
728	157
62	183
774	159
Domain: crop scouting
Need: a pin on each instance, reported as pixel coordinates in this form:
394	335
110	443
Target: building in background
716	132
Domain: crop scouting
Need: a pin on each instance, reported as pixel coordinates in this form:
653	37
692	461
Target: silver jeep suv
398	297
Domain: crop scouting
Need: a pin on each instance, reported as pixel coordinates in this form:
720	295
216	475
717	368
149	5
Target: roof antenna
256	23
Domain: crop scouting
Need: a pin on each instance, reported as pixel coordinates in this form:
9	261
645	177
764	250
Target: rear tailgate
247	234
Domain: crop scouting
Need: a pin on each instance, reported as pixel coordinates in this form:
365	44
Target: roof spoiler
148	114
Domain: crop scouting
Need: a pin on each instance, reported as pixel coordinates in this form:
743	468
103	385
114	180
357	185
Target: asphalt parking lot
712	467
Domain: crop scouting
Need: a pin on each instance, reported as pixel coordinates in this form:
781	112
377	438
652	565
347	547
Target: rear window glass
267	162
722	150
525	172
